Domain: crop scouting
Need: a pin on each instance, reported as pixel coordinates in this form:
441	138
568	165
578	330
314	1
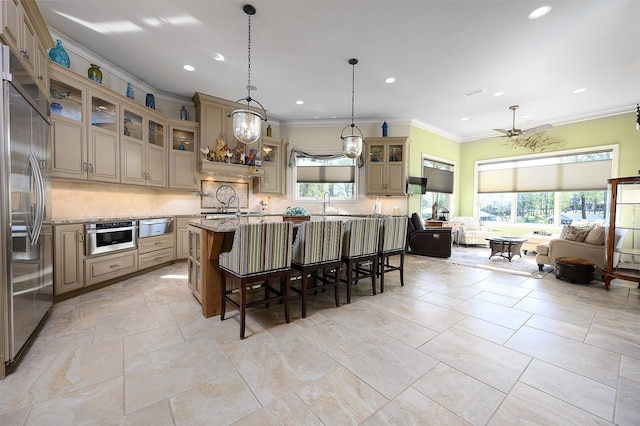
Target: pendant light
352	144
247	123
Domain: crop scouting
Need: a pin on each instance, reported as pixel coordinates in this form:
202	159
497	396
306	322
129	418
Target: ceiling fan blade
538	128
502	131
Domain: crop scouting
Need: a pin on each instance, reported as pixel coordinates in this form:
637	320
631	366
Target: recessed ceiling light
580	90
526	116
464	119
540	12
188	67
219	57
498	93
299	102
390	80
316	117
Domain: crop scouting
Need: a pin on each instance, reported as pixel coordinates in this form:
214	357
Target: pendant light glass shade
352	144
247	123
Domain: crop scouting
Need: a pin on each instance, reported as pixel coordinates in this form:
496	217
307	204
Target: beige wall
78	200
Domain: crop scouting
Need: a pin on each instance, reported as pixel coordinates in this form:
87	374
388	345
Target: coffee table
506	247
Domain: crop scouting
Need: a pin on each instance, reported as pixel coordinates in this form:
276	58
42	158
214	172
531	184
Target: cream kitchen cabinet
386	165
143	142
273	157
211	113
183	156
85	144
68	258
194	262
154	251
102	268
182	236
25	32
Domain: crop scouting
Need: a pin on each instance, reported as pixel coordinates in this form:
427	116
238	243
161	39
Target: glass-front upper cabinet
156	133
132	124
66	100
270	152
103	114
376	153
183	140
395	153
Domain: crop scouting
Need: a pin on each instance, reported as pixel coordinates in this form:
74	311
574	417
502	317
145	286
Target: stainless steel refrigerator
25	227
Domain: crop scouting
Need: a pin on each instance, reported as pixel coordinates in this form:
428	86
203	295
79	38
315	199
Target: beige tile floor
456	345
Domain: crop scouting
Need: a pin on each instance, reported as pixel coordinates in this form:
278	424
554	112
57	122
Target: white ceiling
436	49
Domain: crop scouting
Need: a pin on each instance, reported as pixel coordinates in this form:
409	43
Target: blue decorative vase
150	101
59	55
385	129
130	90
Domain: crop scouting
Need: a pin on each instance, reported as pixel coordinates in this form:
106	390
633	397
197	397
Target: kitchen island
210	237
207	239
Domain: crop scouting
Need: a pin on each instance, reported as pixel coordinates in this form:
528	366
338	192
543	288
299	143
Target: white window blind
325	174
519	176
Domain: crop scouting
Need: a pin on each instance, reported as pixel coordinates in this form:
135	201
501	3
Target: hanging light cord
353	89
249	64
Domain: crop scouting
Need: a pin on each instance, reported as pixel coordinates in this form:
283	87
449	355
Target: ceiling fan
513	133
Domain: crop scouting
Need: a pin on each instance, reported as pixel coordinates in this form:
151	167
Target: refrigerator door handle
39	216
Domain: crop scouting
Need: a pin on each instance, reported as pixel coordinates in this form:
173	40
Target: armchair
434	241
471	232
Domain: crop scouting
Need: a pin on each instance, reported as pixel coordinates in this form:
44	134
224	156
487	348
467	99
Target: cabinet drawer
155	258
183	222
104	268
149	244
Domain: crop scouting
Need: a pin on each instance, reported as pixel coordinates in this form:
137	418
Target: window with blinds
316	176
552	189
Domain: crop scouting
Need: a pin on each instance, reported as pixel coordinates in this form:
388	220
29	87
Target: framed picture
216	193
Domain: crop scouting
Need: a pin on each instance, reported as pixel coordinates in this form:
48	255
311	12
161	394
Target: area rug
478	257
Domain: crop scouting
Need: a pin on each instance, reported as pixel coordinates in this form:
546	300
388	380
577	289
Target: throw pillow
596	236
575	233
563	233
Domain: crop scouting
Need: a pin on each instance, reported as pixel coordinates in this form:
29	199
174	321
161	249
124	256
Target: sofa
472	232
433	241
583	241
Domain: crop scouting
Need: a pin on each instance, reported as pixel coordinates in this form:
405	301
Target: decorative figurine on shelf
241	156
251	159
434	211
205	151
229	154
220	150
385	129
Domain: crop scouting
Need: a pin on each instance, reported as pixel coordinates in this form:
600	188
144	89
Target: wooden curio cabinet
623	230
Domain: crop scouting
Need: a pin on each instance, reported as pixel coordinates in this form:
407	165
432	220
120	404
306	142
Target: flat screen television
416	185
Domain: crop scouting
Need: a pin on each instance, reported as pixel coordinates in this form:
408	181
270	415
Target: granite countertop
118	219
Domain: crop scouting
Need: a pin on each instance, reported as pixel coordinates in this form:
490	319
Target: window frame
614	149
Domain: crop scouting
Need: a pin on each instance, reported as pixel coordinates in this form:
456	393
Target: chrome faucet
326	200
237	199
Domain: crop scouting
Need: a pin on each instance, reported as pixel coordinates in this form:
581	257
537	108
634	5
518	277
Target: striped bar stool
317	249
393	240
260	252
360	252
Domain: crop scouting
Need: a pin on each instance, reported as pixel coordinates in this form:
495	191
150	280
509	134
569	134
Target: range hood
215	169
